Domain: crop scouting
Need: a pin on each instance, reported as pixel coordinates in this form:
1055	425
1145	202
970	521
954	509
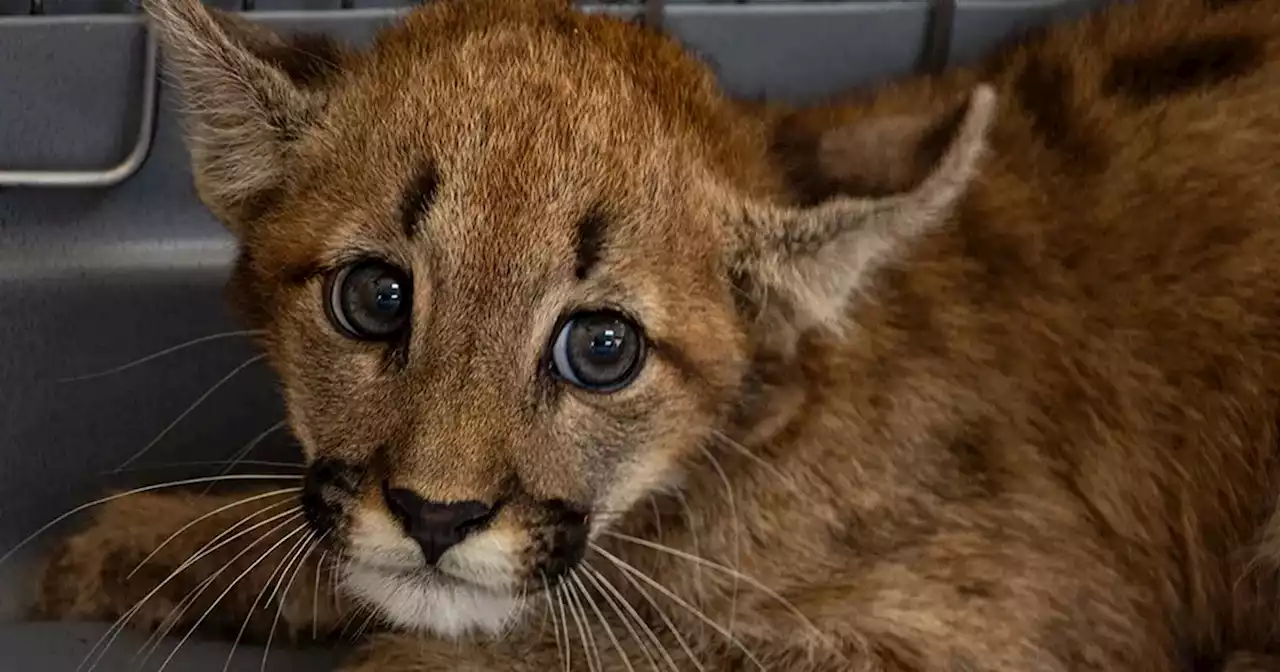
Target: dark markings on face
326	486
561	539
1043	90
395	357
590	243
1177	68
418	196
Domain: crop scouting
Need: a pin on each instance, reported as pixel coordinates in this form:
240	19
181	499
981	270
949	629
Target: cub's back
1101	317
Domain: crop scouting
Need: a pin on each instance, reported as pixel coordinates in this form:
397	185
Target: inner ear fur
249	95
886	182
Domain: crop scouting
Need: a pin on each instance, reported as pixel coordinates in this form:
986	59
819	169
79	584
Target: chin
433	603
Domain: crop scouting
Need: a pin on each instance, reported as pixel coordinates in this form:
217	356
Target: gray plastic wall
91	278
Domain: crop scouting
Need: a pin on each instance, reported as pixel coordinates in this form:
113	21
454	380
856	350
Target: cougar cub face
499	317
501	262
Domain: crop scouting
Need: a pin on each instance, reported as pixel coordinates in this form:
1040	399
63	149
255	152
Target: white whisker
737	533
622	565
364	627
118	626
564	619
240	455
207	516
604	623
315	600
226	592
726	440
162	353
282	571
248	618
731	571
190	409
137	491
285	594
698	586
589	649
666	620
555	621
290	517
201	463
601	582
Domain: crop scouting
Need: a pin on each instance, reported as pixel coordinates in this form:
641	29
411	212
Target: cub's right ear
249	96
805	263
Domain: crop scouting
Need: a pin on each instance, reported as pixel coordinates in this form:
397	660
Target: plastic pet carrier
106	256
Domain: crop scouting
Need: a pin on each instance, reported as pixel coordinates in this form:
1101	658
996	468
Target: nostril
404	504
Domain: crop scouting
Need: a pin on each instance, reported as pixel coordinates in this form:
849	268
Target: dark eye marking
418	197
590	243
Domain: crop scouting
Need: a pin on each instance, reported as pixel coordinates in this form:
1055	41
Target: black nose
436	526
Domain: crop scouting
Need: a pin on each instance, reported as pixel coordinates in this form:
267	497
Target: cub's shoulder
1091	95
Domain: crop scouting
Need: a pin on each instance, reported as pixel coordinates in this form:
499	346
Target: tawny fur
1033	426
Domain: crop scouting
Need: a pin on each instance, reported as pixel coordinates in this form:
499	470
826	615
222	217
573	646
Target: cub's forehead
501	141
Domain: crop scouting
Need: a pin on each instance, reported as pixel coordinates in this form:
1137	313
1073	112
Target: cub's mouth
432	601
446	567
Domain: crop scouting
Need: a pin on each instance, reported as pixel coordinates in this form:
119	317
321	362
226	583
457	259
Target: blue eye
598	351
369	300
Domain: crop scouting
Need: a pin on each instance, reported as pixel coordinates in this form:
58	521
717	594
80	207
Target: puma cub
595	368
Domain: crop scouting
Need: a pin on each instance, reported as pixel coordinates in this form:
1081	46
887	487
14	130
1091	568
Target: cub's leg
531	652
1018	600
215	560
958	604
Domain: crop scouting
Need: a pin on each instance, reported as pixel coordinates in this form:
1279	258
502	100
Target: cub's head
501	260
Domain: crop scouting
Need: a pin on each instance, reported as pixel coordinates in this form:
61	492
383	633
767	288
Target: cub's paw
82	578
91	575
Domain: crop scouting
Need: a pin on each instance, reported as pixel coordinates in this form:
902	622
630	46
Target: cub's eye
598	351
368	300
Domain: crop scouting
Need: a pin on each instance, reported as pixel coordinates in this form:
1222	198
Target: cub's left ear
249	95
814	258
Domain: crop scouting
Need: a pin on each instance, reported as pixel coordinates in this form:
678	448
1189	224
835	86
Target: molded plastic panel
802	50
91	279
980	24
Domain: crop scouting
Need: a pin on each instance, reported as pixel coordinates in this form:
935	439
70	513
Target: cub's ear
249	94
808	261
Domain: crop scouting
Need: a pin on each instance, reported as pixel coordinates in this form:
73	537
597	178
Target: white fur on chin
445	609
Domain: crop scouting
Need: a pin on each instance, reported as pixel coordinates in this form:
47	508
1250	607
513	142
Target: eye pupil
369	300
600	351
607	345
388	298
